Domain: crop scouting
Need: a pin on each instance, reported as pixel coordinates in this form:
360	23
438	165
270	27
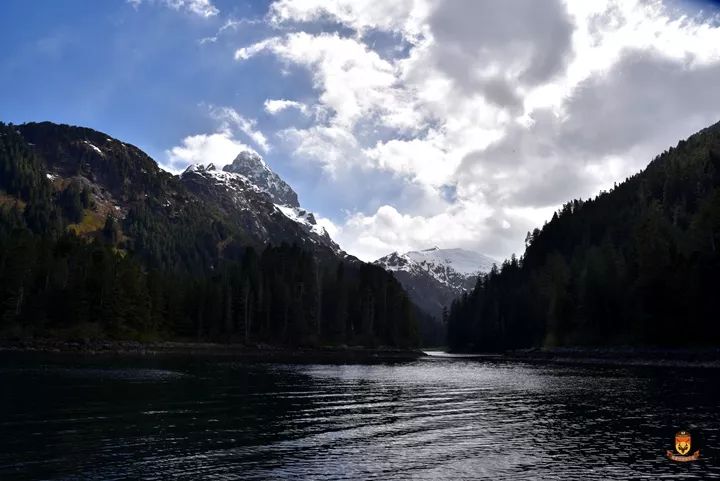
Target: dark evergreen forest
150	276
639	265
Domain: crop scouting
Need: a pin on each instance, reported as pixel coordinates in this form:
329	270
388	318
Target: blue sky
139	72
402	124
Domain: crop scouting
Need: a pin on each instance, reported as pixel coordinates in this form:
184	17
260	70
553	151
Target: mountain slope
204	213
97	241
434	277
252	207
637	265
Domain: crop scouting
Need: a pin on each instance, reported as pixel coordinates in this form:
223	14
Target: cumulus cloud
354	80
333	148
496	112
219	148
500	49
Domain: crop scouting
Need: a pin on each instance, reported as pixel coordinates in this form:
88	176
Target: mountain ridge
97	241
637	265
434	277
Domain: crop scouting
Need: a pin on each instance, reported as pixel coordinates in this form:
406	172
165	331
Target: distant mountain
96	240
434	277
638	265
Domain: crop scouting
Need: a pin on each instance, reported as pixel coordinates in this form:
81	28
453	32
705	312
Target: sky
403	125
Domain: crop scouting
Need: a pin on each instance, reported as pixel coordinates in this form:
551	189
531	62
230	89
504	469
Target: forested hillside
639	265
97	241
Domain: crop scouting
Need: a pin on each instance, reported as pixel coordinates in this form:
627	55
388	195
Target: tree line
145	277
638	265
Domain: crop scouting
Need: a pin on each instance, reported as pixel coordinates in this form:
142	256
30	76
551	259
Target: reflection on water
68	418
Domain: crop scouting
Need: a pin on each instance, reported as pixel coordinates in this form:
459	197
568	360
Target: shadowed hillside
637	265
97	241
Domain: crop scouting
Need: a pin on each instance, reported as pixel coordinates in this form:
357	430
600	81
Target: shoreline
573	356
621	357
259	352
610	357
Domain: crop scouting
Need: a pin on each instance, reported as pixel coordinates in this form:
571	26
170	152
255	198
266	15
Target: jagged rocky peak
200	168
249	164
393	261
247	190
462	261
434	277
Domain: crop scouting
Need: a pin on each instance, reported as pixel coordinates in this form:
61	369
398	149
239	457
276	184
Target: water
109	418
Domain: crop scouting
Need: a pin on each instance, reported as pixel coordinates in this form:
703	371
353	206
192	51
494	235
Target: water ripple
439	419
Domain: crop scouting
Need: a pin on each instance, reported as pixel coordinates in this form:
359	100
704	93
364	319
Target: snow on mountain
461	261
94	147
253	192
301	216
451	267
229	181
434	277
250	165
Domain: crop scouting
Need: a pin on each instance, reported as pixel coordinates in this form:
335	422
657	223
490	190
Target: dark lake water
201	418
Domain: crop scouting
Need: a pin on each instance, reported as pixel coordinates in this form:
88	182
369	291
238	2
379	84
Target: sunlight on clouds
372	236
333	148
219	148
513	107
274	106
402	16
423	160
354	80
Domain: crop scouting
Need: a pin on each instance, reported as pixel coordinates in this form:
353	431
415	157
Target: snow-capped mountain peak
461	261
439	261
247	187
252	166
433	277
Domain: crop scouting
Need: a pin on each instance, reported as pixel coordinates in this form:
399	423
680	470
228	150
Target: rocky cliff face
255	204
253	168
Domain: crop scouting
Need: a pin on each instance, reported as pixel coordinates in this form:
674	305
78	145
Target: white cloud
231	119
219	148
230	25
354	80
496	111
402	16
245	53
274	106
422	159
328	225
334	148
203	8
386	230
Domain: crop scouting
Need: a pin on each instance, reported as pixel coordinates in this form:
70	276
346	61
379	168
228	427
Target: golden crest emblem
683	442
